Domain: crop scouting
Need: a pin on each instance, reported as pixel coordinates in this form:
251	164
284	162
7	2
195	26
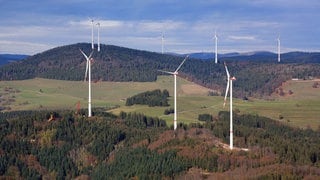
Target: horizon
188	27
246	53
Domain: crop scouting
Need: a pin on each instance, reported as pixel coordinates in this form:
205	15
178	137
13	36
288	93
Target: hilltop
256	76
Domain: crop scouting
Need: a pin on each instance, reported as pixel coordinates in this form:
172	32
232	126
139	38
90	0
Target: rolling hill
38	142
256	75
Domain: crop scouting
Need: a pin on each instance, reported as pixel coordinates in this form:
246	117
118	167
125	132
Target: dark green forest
132	145
150	98
256	75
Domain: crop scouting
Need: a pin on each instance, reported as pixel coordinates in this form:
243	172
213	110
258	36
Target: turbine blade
90	55
182	63
226	94
84	54
166	72
228	84
228	75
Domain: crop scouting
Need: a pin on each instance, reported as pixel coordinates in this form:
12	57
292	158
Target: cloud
103	23
187	26
246	38
23	47
157	26
285	3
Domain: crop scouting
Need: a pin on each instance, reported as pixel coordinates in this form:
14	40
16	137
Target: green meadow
302	108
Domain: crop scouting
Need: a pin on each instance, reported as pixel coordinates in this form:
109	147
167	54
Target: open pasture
302	108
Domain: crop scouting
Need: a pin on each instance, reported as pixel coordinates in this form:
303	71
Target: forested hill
115	63
112	63
65	145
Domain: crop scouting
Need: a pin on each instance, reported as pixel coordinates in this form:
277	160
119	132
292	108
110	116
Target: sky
33	26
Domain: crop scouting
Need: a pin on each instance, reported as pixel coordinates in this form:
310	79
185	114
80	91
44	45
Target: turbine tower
216	47
278	49
225	98
98	24
92	45
175	73
88	68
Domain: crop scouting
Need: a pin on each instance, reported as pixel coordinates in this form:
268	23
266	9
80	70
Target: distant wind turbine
88	68
225	98
216	47
98	24
92	45
175	73
278	49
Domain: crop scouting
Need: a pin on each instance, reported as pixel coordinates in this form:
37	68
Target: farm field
301	108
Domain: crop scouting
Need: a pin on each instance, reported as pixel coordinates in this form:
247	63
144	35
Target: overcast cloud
30	27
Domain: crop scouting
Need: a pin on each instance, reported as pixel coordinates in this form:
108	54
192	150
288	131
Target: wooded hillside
62	145
256	75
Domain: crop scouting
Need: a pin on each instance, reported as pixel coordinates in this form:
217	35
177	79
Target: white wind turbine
98	24
88	68
216	47
175	73
225	98
278	48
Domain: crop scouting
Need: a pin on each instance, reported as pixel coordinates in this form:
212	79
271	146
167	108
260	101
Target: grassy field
302	108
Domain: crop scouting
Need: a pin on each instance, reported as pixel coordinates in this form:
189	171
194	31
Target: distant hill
257	74
209	56
291	57
7	58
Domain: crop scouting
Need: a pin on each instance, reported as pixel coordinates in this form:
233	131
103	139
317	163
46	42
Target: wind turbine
225	98
88	68
92	45
216	47
278	48
98	24
175	73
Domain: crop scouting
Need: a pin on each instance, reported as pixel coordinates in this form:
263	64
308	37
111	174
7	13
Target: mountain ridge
114	63
8	58
296	55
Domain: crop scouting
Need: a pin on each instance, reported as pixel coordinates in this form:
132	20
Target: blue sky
33	26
